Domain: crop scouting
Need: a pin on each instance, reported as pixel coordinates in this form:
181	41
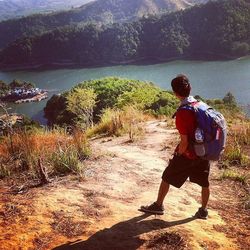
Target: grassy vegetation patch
115	122
235	156
110	93
235	176
59	151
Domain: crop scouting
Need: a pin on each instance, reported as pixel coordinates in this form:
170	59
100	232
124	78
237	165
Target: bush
229	99
111	92
81	103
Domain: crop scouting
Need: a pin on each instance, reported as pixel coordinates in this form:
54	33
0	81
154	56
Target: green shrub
81	103
110	92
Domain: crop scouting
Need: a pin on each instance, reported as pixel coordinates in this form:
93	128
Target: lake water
211	79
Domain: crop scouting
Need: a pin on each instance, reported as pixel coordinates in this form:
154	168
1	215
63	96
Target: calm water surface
211	79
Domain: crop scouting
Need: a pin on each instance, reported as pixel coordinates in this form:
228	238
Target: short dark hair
181	86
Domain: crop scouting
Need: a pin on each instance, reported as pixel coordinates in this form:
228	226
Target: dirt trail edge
101	212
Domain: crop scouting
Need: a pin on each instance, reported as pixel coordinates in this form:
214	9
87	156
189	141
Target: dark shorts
180	168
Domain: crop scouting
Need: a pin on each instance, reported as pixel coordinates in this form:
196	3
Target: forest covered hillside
216	30
100	11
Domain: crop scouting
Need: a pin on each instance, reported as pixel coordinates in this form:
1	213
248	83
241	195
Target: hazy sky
17	8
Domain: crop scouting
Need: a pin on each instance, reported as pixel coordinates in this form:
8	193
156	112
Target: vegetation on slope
215	30
111	92
102	12
58	151
109	106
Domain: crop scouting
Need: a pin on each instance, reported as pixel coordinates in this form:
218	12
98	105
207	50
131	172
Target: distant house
22	93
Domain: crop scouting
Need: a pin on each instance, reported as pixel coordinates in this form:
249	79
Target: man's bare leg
156	207
163	190
205	192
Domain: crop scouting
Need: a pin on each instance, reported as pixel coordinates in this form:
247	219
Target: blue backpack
212	124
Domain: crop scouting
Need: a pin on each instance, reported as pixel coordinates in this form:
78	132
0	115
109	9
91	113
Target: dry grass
237	148
66	225
235	176
117	122
57	149
236	158
242	134
27	144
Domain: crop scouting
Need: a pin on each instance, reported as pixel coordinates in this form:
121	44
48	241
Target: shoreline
139	61
36	98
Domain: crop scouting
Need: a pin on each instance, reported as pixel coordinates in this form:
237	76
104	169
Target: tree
139	97
16	84
229	99
81	102
240	49
3	87
28	85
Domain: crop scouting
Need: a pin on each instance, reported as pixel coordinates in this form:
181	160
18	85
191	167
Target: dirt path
101	212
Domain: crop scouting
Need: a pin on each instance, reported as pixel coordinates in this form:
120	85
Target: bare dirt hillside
101	211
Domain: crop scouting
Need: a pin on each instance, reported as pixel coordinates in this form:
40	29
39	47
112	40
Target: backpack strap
188	106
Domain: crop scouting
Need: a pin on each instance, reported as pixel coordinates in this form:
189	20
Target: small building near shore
19	95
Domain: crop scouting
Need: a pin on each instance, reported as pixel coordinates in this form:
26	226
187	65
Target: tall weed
60	151
65	161
5	170
242	136
234	153
81	143
132	121
120	121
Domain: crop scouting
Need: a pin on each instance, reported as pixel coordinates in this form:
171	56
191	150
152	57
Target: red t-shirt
186	124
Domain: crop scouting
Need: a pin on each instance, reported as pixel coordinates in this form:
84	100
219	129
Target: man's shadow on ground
123	235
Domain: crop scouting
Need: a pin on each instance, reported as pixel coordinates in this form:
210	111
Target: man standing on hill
185	164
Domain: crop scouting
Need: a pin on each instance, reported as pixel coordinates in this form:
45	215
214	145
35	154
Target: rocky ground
101	210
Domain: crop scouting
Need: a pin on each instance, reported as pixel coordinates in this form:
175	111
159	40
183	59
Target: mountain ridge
102	12
216	30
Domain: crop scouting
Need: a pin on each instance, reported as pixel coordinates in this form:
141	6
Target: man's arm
183	144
